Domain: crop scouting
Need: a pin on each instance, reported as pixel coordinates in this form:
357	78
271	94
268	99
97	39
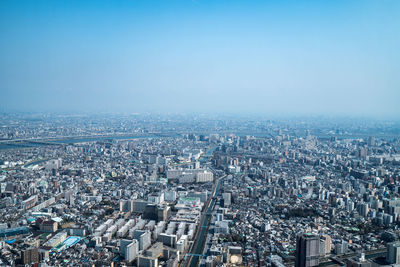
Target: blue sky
272	57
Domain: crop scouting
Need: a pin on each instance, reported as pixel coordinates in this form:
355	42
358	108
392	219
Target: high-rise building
143	237
341	247
227	199
362	152
371	141
307	250
363	209
393	253
129	249
126	205
29	255
325	245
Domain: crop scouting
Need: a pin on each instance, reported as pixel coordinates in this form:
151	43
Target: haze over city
203	133
268	57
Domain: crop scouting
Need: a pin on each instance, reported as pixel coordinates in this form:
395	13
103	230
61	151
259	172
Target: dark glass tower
307	250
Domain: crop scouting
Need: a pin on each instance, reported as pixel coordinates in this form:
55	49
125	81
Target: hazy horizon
337	58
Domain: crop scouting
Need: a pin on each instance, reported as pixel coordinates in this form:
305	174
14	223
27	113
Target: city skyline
200	133
158	190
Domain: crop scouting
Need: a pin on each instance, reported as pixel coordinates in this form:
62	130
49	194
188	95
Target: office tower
307	250
393	253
